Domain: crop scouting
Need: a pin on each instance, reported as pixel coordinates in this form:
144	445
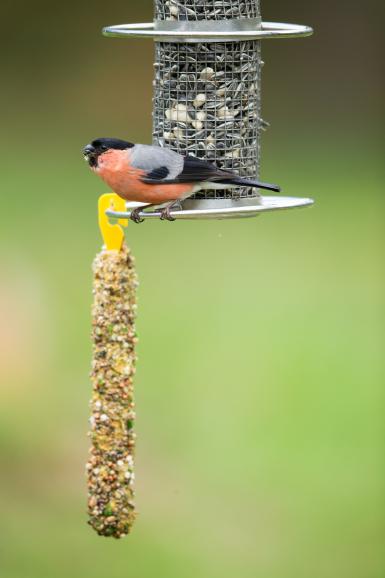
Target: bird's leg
135	214
165	214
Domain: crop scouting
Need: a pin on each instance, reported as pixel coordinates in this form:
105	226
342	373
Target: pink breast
115	170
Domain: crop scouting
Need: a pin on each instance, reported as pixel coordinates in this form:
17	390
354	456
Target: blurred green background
261	348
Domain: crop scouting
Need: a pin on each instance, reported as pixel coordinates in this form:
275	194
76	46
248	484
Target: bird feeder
207	96
207	103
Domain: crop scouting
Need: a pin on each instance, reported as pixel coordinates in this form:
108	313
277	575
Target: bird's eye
104	147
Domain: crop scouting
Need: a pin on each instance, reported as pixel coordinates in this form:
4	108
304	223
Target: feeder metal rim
216	209
181	34
223	26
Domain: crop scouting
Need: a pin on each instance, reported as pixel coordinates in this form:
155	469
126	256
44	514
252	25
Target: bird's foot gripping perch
165	214
135	215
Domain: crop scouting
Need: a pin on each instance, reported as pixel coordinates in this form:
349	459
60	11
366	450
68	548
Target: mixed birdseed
205	9
207	95
110	468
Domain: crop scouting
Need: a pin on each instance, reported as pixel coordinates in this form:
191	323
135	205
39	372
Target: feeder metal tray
219	208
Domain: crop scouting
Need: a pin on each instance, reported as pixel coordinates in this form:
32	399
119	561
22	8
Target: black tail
244	182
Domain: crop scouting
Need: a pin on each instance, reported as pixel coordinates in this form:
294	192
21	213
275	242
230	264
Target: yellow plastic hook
113	235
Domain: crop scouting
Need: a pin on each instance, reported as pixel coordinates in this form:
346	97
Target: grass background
261	344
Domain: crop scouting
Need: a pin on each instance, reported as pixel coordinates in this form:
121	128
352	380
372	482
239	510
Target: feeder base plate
219	208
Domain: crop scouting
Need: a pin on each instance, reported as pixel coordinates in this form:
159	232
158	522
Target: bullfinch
157	176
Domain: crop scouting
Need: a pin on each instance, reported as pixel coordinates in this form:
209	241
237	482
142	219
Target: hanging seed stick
110	468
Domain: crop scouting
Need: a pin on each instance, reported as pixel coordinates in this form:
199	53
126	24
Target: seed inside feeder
207	94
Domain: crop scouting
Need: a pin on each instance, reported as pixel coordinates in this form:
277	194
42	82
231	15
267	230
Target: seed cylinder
110	468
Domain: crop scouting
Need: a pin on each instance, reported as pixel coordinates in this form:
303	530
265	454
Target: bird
157	176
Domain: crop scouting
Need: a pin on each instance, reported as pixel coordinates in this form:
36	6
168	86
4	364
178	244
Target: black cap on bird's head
100	146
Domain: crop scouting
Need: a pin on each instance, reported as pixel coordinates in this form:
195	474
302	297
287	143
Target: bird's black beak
90	155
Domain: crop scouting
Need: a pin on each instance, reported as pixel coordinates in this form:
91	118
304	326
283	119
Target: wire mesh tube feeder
207	96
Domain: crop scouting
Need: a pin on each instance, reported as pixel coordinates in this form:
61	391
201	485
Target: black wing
194	170
158	174
197	170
